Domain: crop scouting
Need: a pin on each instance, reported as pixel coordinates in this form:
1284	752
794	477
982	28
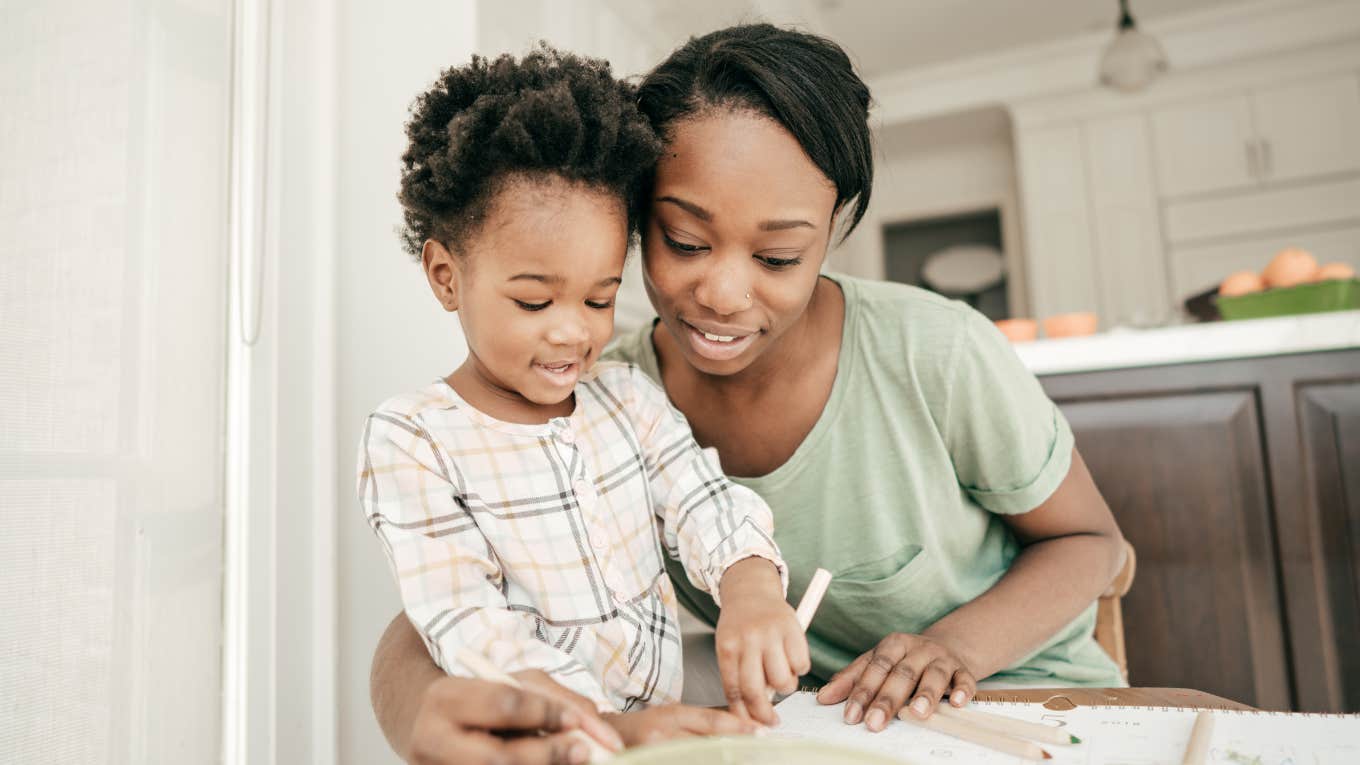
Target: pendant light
1133	58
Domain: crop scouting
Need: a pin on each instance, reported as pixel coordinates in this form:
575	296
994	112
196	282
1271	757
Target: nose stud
748	296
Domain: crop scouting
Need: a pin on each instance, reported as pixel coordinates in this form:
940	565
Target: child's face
534	288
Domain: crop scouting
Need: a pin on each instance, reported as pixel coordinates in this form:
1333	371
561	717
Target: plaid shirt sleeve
450	580
708	522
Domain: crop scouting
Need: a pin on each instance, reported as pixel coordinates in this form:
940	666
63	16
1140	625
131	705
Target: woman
898	438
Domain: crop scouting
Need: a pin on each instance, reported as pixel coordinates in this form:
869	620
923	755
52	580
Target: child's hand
676	721
759	642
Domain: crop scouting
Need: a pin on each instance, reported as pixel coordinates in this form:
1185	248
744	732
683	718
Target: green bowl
748	751
1334	295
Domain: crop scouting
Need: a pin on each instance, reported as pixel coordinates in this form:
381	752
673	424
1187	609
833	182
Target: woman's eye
600	304
778	263
681	247
532	306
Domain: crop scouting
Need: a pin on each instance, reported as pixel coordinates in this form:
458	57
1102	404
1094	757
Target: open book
1110	735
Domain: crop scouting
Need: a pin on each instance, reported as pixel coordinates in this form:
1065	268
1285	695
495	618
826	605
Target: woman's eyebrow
780	225
707	217
689	207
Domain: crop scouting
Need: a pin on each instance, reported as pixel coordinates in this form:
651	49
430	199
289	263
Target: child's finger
796	648
753	690
778	674
729	669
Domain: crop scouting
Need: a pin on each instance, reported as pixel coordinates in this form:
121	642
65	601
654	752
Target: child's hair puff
547	114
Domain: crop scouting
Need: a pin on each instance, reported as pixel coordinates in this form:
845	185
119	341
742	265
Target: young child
525	501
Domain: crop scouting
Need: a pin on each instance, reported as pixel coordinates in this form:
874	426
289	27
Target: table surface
1067	698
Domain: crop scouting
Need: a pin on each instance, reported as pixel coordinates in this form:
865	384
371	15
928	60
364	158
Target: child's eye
687	249
600	304
532	306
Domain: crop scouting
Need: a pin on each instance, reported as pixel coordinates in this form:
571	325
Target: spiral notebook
1110	735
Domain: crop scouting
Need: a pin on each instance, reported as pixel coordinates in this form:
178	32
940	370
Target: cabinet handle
1253	164
1267	161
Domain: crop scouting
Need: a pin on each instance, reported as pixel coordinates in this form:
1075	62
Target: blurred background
202	294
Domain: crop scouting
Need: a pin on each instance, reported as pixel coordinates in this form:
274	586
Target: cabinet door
1130	261
1203	146
1058	250
1309	128
1330	420
1185	475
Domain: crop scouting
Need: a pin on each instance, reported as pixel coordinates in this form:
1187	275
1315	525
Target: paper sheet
1110	735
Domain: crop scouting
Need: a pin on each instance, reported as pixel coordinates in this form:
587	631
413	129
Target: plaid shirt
540	546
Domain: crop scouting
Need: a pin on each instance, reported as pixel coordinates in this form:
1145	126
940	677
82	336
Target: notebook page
1110	735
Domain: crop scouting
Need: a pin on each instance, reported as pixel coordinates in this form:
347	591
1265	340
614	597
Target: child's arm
449	577
723	535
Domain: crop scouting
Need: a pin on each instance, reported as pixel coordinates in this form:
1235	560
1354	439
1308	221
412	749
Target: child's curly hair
550	113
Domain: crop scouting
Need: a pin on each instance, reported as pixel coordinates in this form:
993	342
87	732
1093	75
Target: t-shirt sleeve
1010	445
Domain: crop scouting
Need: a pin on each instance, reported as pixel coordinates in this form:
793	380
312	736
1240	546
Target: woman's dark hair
804	82
492	121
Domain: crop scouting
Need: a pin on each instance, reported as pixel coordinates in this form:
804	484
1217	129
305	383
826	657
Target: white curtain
114	136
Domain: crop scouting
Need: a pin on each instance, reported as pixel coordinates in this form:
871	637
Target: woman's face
738	228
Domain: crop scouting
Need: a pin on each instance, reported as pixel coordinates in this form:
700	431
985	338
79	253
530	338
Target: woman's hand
759	642
676	721
901	667
461	720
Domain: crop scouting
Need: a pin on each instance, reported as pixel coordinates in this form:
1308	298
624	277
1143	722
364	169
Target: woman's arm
430	717
1072	550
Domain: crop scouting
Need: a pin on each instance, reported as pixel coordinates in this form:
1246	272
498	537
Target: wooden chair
1109	615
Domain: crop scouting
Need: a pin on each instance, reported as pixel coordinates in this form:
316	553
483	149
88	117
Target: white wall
391	334
942	166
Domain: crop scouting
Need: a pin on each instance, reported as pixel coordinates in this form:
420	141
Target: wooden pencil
1008	725
974	734
1197	751
485	670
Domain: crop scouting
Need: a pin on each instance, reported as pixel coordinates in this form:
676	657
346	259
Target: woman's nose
724	290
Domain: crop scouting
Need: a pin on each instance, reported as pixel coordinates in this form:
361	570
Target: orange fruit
1289	267
1334	271
1241	283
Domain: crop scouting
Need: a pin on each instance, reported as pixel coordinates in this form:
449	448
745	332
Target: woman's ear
442	272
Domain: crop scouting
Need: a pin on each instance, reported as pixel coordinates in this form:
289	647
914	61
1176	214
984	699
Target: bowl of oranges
1292	282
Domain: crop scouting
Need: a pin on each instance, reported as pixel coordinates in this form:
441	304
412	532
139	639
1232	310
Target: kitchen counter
1191	343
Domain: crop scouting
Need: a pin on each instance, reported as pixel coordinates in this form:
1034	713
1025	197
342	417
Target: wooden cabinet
1297	130
1238	482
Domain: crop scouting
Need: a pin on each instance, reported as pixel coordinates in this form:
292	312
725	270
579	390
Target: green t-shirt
933	429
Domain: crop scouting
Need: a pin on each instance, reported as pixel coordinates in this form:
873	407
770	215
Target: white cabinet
1092	223
1130	261
1295	130
1204	146
1309	128
1060	255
